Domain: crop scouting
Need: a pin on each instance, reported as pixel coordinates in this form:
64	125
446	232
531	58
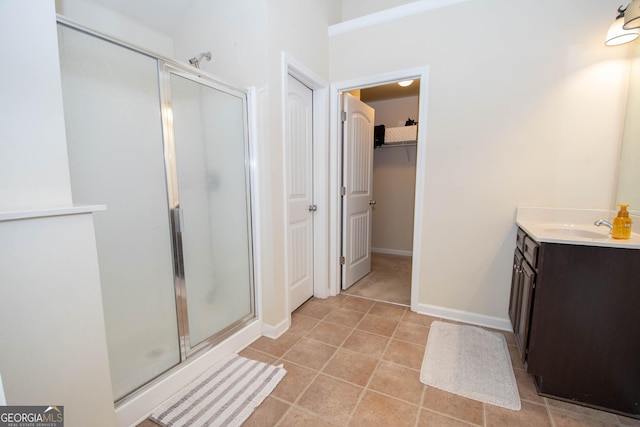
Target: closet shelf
399	144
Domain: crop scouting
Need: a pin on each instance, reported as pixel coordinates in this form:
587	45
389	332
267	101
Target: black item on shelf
378	136
410	122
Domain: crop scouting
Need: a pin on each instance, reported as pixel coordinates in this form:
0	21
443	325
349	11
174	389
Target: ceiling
164	15
389	91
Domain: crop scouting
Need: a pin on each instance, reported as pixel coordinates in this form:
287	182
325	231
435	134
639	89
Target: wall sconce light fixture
617	33
632	16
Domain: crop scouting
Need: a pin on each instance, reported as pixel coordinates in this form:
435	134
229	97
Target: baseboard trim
275	331
465	316
391	251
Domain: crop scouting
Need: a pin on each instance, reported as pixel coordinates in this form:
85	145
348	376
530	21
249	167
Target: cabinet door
524	316
516	289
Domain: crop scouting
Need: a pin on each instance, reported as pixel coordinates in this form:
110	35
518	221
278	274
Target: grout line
484	414
551	420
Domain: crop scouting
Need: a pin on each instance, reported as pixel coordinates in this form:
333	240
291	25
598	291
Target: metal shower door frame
165	70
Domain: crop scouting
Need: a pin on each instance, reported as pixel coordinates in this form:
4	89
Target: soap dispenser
622	224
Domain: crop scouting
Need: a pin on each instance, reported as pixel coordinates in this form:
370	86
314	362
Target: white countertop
574	227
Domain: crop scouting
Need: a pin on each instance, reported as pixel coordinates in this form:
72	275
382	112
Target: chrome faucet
603	222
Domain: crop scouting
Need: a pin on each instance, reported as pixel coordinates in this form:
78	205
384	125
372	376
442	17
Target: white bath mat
470	362
225	395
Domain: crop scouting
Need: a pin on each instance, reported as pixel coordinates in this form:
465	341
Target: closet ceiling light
632	16
617	35
406	83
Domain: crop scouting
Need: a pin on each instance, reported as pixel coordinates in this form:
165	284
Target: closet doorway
393	147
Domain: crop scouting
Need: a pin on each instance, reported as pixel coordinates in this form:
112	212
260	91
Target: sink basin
576	232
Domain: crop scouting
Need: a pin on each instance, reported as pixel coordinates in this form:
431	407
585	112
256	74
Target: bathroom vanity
575	308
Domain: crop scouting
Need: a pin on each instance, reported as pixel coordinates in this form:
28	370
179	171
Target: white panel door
357	180
299	192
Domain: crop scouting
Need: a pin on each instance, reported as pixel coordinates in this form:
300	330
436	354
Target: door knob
313	208
372	202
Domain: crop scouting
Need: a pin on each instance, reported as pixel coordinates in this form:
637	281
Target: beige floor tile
628	422
378	325
606	417
300	325
389	311
397	381
453	405
352	367
376	410
267	414
329	333
148	423
250	353
332	399
310	353
295	382
418	319
412	333
571	419
314	309
344	317
526	387
276	347
389	280
405	354
335	300
366	343
299	417
531	415
431	419
357	304
516	361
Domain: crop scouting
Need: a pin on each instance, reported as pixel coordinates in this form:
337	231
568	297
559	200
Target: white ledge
394	13
53	211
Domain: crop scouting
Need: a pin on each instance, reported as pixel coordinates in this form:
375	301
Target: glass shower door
116	158
210	199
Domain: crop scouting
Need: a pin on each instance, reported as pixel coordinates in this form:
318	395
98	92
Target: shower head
195	61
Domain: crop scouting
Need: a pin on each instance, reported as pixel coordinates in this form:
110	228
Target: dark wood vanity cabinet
584	327
523	283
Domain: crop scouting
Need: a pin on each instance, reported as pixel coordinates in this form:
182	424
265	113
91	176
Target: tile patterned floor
356	362
389	280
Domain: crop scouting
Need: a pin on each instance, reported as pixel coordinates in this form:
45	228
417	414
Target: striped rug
225	395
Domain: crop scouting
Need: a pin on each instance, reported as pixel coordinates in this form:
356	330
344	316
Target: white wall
629	177
352	9
33	156
51	323
394	179
114	24
524	108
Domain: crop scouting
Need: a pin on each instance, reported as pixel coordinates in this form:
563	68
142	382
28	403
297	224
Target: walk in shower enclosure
166	150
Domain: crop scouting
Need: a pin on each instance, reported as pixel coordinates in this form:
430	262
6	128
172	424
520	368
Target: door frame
335	165
320	88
